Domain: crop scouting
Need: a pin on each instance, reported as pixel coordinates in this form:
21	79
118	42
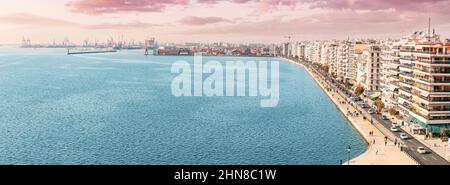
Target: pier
88	51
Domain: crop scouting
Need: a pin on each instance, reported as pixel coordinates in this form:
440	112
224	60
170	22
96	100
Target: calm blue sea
118	108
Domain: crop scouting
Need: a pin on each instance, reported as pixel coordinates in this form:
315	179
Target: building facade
424	93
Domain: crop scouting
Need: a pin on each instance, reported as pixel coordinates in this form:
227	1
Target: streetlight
348	150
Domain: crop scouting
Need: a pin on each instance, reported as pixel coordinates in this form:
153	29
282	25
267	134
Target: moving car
383	117
371	111
395	125
421	150
403	136
394	129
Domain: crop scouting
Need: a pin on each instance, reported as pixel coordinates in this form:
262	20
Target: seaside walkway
380	151
431	158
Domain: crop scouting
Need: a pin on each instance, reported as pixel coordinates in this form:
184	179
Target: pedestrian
385	143
376	153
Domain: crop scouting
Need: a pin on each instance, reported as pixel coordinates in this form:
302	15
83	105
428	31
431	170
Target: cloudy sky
218	20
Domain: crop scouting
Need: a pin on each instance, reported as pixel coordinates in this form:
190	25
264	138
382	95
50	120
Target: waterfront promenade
377	153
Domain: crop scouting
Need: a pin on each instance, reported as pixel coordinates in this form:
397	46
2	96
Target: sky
239	21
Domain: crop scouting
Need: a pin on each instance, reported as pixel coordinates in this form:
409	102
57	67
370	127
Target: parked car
355	98
383	117
421	150
364	105
394	129
371	111
403	136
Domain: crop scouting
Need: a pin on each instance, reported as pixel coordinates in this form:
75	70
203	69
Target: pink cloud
113	6
335	24
261	5
431	6
133	25
196	21
95	7
35	20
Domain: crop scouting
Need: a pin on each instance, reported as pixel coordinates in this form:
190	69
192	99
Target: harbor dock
88	51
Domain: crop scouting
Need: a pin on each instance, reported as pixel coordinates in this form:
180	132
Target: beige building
372	67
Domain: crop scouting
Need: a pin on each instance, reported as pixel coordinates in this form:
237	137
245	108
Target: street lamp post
348	150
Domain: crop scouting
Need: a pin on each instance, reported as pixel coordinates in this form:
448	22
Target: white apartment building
424	87
301	51
344	62
316	52
390	62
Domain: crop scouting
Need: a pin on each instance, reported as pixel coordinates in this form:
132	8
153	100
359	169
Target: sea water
117	108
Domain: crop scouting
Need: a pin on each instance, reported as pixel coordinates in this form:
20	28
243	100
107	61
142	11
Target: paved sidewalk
377	153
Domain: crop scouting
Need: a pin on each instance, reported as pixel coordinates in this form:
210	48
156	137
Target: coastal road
431	158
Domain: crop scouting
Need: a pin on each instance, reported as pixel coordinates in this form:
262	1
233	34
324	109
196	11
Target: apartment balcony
422	106
422	81
406	59
440	111
407	75
433	81
439	82
436	100
418	113
406	83
405	65
441	90
433	63
405	105
441	72
431	53
407	98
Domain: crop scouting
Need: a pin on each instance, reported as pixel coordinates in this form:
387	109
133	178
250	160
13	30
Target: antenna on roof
429	25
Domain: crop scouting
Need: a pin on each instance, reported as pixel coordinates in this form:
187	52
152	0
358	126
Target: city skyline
262	21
